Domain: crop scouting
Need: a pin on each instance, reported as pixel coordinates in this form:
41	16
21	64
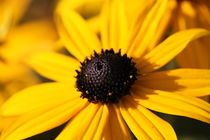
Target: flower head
106	89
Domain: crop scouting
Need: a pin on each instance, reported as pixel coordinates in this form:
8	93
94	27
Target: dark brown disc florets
106	77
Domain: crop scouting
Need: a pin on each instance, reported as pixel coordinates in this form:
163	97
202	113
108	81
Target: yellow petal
194	82
29	38
5	20
5	122
8	73
96	128
146	122
102	123
117	27
38	96
64	41
41	120
55	66
118	128
2	98
137	10
104	18
133	125
113	26
79	125
11	13
94	24
107	131
148	29
163	25
87	8
76	35
168	49
197	92
171	103
195	55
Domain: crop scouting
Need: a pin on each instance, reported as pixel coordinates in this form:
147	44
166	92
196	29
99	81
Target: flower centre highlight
106	77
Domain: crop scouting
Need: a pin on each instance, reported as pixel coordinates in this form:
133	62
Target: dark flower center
106	77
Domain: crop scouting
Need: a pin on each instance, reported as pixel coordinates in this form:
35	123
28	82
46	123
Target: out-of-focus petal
11	13
29	38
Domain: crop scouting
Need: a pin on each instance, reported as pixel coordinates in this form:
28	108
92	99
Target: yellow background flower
192	14
17	42
11	13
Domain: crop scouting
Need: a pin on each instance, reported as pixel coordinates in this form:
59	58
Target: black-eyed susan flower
11	13
193	14
105	90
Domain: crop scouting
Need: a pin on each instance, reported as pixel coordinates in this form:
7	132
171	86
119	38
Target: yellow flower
193	14
108	93
16	44
11	13
23	41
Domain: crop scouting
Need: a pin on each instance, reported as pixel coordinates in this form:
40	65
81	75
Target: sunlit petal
171	103
82	123
76	35
38	96
143	123
55	66
194	82
168	49
42	120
